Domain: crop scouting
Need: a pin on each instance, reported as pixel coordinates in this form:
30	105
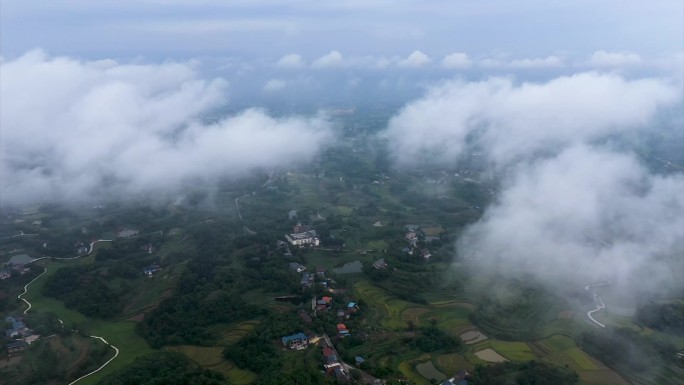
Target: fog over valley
341	192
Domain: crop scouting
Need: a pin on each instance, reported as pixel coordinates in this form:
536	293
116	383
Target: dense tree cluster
85	290
259	351
625	347
184	318
432	339
164	368
667	317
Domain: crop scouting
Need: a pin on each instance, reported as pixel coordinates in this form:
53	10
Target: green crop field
558	342
581	358
515	351
428	370
407	370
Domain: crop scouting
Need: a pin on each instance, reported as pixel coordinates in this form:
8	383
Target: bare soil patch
567	314
472	337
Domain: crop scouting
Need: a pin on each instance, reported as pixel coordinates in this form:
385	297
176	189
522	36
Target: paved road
116	350
116	353
26	289
598	301
21	234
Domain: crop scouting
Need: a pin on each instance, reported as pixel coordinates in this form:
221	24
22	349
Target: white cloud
415	60
73	130
332	59
515	120
292	60
274	85
456	60
491	63
583	216
614	59
535	63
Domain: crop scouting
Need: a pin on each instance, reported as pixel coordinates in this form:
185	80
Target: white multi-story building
303	239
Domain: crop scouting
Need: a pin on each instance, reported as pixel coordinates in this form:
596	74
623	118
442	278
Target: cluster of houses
308	279
412	238
20	334
333	366
18	264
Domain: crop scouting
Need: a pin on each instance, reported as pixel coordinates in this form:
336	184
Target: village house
460	378
324	303
16	346
298	267
352	307
342	330
4	274
307	280
332	365
17	329
380	264
297	341
151	269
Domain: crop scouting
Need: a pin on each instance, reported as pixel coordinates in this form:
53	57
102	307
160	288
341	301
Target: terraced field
514	351
232	333
211	357
562	350
393	313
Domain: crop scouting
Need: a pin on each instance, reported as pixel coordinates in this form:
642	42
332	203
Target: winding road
26	289
116	350
598	301
116	353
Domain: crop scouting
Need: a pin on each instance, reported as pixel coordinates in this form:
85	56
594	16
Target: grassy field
122	335
452	363
428	370
581	359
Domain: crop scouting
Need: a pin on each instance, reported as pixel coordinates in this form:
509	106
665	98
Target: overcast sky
258	32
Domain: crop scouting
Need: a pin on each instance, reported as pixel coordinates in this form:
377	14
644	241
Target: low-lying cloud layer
510	121
587	213
569	210
71	129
